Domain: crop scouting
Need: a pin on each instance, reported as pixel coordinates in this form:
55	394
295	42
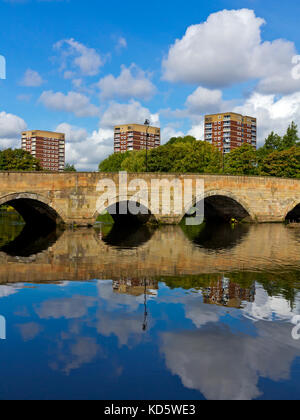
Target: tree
186	139
200	157
273	142
187	157
161	159
242	161
18	160
135	162
113	163
285	163
291	138
70	168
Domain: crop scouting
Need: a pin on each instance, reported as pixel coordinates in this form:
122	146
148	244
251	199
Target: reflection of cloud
268	308
127	327
75	307
63	284
226	366
10	290
195	310
202	314
72	355
30	331
115	301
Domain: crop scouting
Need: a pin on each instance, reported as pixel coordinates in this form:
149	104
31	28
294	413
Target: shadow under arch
128	236
293	214
35	209
129	229
32	241
123	213
216	236
222	206
217	232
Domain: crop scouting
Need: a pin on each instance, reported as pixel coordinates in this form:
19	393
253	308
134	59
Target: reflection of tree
11	225
276	283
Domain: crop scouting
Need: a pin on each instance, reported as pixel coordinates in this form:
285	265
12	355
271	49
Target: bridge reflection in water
147	252
183	300
180	257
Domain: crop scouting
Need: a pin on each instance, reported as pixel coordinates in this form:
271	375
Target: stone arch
34	208
292	212
240	210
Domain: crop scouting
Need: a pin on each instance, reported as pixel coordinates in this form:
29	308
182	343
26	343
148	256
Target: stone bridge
72	197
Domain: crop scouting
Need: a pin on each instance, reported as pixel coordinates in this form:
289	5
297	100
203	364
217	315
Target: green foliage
275	143
186	139
162	159
113	163
70	168
11	225
242	161
280	157
291	138
135	162
200	157
272	143
105	218
285	163
18	160
186	157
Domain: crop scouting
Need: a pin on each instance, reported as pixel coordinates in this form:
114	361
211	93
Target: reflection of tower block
2	67
135	287
226	293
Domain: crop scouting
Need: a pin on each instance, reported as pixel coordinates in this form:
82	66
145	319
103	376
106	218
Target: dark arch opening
31	226
35	212
294	215
126	230
220	208
218	232
142	217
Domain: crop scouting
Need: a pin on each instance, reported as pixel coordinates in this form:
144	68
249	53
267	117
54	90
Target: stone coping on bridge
160	174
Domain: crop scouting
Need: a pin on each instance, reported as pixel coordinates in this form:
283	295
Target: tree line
21	160
279	157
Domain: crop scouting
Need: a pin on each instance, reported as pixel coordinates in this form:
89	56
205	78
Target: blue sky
83	66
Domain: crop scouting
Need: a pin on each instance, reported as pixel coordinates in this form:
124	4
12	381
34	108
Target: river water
168	313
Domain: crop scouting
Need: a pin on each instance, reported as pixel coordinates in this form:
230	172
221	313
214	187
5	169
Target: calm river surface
167	313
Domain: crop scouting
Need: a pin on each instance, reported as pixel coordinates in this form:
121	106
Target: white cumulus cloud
133	112
228	49
86	150
11	127
131	83
74	102
204	100
32	79
86	59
